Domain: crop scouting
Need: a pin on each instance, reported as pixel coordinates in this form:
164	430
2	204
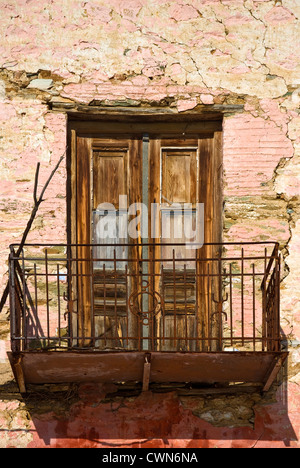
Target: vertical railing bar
175	302
185	306
152	317
270	309
231	304
12	300
47	296
36	298
156	326
24	325
197	303
220	305
277	296
70	297
224	285
273	256
115	305
242	296
254	307
78	293
104	298
93	298
138	281
264	303
58	307
278	303
81	303
208	308
127	308
164	311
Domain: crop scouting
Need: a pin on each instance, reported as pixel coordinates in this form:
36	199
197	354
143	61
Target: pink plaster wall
189	56
150	421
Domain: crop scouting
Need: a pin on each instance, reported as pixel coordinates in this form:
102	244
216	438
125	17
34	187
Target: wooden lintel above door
139	127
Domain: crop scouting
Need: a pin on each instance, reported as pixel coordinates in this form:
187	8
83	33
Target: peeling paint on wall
235	57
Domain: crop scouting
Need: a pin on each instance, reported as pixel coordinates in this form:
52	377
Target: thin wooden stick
36	180
37	202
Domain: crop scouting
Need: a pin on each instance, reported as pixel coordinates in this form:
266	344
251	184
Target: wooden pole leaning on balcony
37	201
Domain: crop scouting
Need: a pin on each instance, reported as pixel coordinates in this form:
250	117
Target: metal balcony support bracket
273	372
17	368
147	370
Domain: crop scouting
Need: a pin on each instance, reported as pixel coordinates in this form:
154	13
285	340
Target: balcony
146	313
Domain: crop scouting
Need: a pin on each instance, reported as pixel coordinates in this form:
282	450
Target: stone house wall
237	57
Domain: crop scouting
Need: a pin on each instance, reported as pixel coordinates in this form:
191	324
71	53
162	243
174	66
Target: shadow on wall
96	415
161	420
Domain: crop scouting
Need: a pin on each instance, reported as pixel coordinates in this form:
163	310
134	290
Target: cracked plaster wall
177	54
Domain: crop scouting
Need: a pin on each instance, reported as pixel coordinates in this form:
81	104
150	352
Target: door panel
210	190
109	176
179	179
110	168
83	253
115	278
178	191
187	174
105	279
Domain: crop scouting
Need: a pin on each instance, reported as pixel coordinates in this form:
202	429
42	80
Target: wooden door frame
210	133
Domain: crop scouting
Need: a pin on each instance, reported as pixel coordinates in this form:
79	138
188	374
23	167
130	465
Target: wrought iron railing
153	297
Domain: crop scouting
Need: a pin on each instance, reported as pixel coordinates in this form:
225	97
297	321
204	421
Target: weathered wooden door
110	175
186	179
108	181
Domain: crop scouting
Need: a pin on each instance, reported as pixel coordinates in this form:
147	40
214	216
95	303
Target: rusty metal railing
221	297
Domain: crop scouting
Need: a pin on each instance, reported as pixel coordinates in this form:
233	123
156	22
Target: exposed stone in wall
88	416
238	57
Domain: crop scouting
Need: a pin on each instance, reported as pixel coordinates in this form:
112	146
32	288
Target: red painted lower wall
154	420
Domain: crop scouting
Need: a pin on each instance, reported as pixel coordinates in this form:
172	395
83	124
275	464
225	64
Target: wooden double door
137	203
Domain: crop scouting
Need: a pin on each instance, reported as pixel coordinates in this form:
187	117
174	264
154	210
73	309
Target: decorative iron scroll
155	303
